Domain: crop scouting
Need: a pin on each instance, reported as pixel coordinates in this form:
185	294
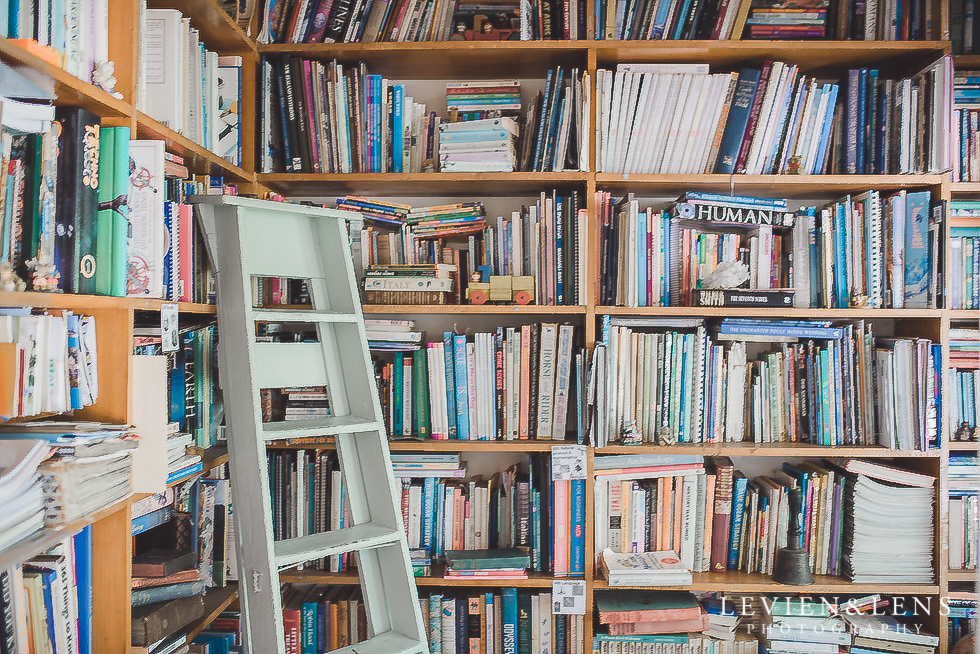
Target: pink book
665	627
186	218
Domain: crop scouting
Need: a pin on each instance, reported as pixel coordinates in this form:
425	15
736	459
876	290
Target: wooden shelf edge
961	575
534	580
218	30
751	583
816	182
215	601
194	155
212	457
50	536
769	312
94	302
474	309
964	446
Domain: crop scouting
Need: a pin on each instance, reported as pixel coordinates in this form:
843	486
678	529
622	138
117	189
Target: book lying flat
487	559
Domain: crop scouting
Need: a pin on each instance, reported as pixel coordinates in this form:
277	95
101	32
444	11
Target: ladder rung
329	543
275	431
303	315
388	642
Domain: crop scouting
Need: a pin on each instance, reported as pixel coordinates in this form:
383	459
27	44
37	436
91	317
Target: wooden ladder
246	239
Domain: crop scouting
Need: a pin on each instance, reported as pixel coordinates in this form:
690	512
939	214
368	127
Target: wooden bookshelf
217	28
964	446
196	157
97	302
215	601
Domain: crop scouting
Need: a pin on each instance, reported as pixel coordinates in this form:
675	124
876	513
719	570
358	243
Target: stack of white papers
20	490
479	146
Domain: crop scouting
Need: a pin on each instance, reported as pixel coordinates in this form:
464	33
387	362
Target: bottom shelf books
46	603
222	636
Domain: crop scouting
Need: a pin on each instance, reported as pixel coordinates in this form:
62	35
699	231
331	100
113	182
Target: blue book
307	622
144	596
918	268
641	258
803	479
838	393
561	633
151	520
462	388
721	198
559	252
439	519
659	21
322	626
576	559
536	530
644	638
184	472
541	135
679	24
738	119
83	580
428	506
841	288
508	617
551	135
778	328
474	136
738	507
687	367
47	578
448	358
398	127
217	642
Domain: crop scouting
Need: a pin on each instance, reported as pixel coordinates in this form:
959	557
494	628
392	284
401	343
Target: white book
414	516
161	65
546	379
618	101
689	95
545	623
639	122
689	135
585	112
449	624
677	101
650	126
146	208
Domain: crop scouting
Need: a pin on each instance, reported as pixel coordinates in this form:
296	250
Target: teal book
98	271
308	627
487	559
420	386
218	643
120	211
618	602
398	385
142	596
508	616
918	268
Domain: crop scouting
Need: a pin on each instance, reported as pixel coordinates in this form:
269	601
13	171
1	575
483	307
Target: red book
291	627
721	528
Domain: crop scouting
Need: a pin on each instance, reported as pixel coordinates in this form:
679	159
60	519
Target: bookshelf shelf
218	30
473	446
196	157
534	580
772	449
96	302
964	314
742	582
474	309
418	184
216	601
759	312
961	575
211	458
69	89
966	60
802	186
964	187
51	536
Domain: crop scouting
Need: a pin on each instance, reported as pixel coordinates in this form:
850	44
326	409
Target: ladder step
388	643
359	537
277	431
304	315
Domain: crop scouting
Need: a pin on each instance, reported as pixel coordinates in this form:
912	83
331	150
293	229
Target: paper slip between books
644	569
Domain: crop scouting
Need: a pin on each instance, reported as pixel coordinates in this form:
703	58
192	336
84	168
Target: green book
523	623
487	559
120	213
99	273
397	387
420	388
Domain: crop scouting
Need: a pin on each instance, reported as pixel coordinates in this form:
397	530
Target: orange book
625	502
8	380
661	507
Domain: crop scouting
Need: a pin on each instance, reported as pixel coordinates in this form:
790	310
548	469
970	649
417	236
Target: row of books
71	35
46	601
277	291
294	403
49	362
191	381
964	255
448	519
506	620
966	113
512	384
183	542
186	86
322	618
771	120
556	127
120	229
546	241
667	380
964	522
964	32
320	21
707	516
766	19
964	362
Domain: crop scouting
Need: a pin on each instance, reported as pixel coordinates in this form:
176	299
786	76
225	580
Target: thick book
155	622
162	563
77	192
721	528
487	559
646	606
144	596
737	297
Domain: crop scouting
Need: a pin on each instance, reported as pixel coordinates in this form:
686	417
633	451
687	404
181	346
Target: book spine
461	374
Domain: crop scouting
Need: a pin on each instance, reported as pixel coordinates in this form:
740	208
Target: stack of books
50	363
89	467
515	383
966	136
723	619
387	335
423	283
278	291
20	489
964	511
376	210
964	246
791	627
962	616
487	565
499	620
885	633
778	19
421	466
306	403
471	101
644	569
876	550
487	145
737	389
964	363
180	461
638	613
